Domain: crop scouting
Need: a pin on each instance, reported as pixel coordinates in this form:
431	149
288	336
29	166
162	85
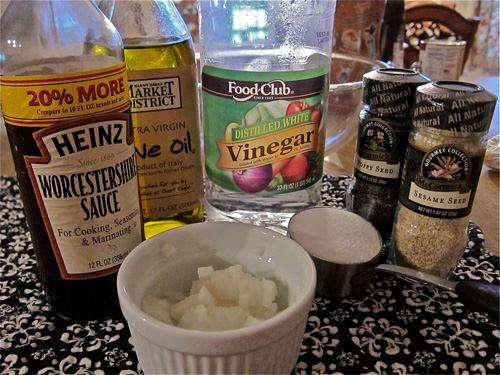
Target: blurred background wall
466	7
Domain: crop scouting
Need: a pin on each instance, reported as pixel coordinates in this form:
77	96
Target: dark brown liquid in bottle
393	24
81	300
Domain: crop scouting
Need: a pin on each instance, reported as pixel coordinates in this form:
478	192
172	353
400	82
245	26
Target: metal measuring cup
346	250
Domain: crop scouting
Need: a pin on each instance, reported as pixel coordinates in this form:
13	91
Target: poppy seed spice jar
384	124
443	162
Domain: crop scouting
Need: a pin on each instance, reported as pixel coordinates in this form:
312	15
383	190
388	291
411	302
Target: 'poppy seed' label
377	158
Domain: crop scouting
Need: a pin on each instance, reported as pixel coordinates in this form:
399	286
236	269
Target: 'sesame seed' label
440	182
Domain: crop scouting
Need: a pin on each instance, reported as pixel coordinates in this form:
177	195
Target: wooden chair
435	21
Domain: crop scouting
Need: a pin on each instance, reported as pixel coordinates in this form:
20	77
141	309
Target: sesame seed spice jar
384	124
443	162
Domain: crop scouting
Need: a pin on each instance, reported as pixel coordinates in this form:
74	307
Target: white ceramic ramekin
169	261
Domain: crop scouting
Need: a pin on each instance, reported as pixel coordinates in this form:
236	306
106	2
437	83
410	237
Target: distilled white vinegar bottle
265	77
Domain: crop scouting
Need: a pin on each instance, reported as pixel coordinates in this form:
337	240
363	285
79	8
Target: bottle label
45	100
82	169
378	156
440	182
165	119
264	131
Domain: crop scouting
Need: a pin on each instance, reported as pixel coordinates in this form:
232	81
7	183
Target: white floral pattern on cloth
391	327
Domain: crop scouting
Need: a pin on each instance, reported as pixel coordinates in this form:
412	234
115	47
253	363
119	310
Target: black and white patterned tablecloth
392	327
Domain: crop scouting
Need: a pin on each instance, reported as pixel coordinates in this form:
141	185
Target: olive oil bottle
161	66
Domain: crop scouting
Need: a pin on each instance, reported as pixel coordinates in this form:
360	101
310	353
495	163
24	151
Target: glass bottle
384	124
65	104
265	74
161	68
442	166
392	33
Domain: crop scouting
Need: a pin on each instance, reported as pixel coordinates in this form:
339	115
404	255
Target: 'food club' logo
272	89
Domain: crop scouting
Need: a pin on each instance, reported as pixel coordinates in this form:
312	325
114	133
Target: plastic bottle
65	103
392	33
163	85
265	74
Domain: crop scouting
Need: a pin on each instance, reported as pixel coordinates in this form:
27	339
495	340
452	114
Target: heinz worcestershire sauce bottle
161	68
65	103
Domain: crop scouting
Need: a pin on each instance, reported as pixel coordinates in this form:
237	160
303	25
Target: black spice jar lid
391	91
456	106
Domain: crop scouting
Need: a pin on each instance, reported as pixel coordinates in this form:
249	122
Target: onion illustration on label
290	170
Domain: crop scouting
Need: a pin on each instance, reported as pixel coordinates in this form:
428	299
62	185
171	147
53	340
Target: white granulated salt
335	235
